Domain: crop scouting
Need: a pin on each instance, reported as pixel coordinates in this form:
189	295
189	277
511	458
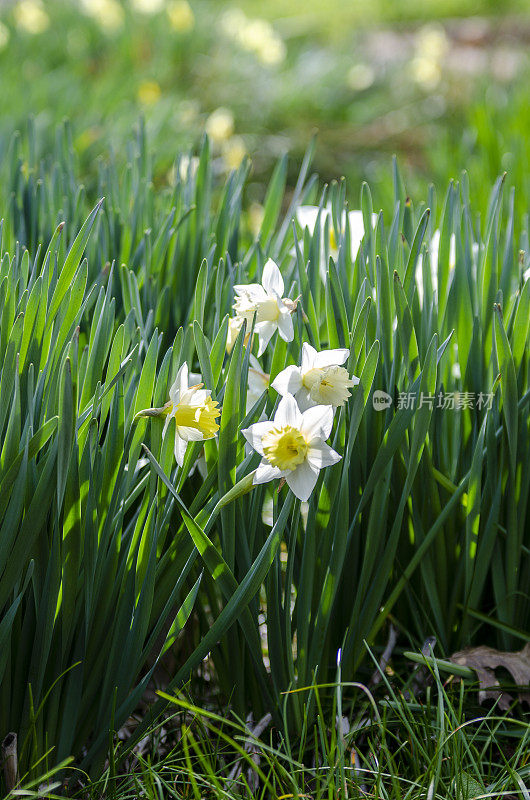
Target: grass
389	744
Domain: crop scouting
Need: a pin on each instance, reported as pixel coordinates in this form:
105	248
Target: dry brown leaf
484	660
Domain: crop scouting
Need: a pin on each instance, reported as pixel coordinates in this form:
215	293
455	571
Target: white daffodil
319	380
293	446
434	249
258	382
307	218
194	411
273	313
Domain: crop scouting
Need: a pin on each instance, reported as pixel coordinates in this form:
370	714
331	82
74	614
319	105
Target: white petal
253	292
307	217
308	357
272	279
321	454
317	422
356	220
452	251
254	433
189	434
329	358
285	326
301	481
180	449
180	385
288	381
304	399
265	473
194	397
166	424
265	332
356	231
288	412
258	381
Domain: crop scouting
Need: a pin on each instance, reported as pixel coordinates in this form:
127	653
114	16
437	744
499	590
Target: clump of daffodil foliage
297	432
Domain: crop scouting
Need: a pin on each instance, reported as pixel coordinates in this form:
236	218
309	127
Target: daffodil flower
307	218
194	411
319	380
265	300
434	249
234	326
293	446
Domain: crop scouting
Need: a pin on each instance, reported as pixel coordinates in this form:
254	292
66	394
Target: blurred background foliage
443	84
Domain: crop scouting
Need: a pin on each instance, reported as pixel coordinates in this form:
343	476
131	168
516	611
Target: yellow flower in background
149	93
148	6
31	17
108	14
432	40
4	35
220	125
181	16
256	213
234	151
432	45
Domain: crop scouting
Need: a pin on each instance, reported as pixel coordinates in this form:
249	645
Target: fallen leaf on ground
484	660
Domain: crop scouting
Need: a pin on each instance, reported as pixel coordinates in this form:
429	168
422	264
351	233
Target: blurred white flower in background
4	35
148	6
220	125
434	248
293	446
108	14
258	382
360	77
319	380
31	17
307	218
254	35
187	167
